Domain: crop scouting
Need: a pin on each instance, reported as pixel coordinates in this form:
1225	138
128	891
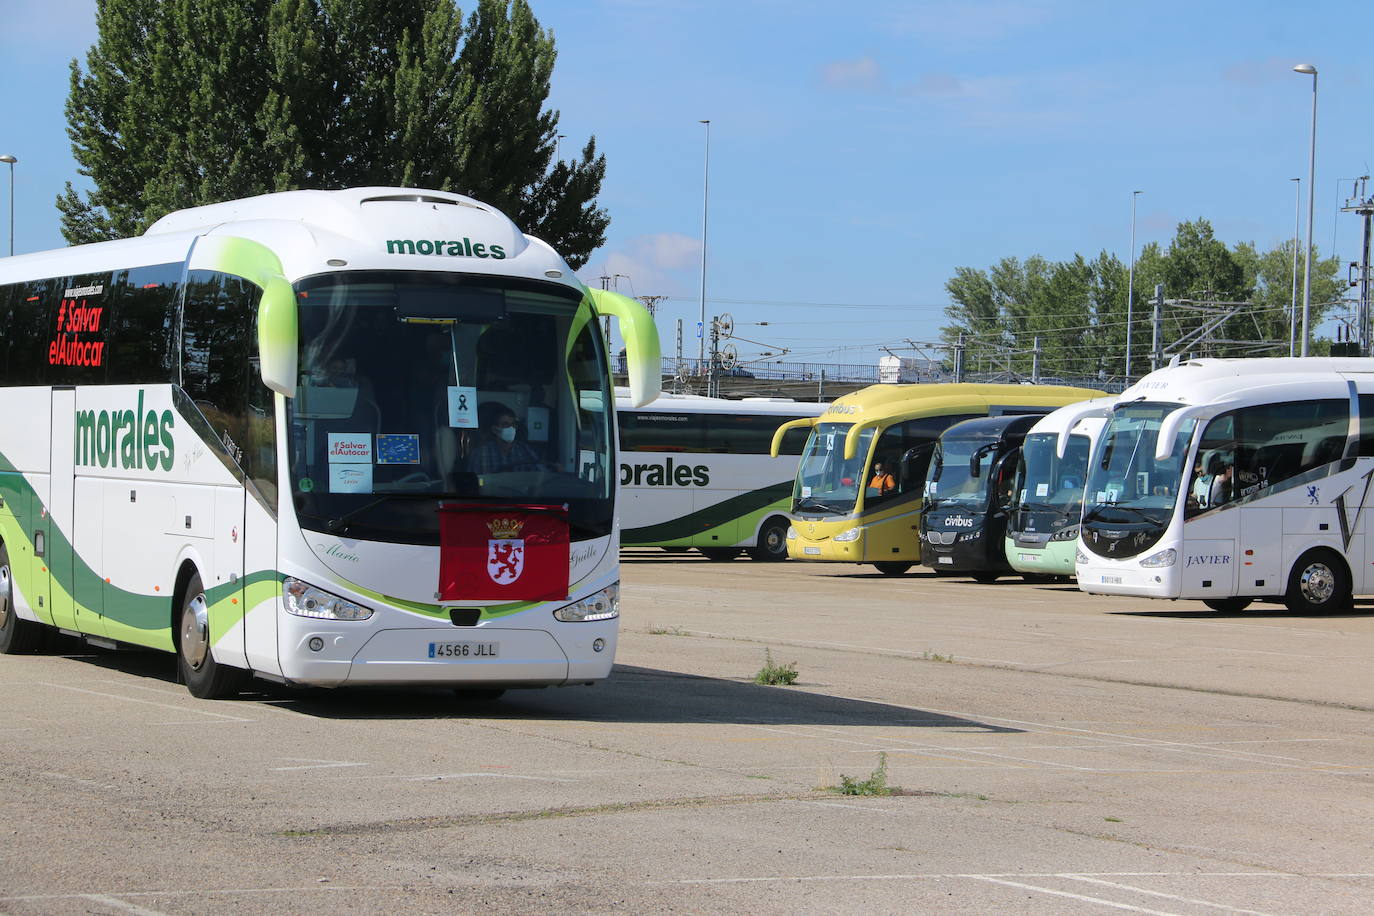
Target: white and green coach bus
696	472
239	436
1042	527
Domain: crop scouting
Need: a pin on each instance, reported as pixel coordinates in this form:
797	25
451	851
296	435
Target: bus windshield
826	482
420	387
1050	485
959	471
1128	490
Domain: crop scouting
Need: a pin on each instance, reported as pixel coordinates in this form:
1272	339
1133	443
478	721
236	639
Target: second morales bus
843	511
695	472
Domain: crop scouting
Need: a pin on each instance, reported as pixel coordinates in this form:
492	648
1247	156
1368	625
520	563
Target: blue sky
861	152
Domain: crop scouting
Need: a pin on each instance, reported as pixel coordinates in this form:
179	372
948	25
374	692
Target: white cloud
648	265
862	74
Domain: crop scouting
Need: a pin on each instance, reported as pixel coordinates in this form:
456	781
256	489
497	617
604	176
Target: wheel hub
1318	583
4	596
195	632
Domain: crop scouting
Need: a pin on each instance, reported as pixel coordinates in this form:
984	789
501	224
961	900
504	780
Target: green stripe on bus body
438	611
727	511
126	616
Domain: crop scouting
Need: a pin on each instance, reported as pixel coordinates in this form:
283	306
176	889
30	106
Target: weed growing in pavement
666	631
936	657
1113	820
774	675
875	784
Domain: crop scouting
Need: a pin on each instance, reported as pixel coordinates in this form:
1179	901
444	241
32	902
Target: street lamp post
705	188
1311	188
1130	289
1293	299
11	160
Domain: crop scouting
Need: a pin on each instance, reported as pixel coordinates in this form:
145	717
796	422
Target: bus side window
218	372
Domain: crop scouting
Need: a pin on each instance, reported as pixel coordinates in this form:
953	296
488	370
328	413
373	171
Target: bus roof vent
422	199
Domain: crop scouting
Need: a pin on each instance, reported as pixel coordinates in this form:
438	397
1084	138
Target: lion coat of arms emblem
505	550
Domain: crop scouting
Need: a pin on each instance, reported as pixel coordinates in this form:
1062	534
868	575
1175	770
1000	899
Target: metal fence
691	373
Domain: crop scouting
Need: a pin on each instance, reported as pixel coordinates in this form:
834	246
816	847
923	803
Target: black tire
1318	584
1228	605
479	694
985	578
772	546
892	567
719	554
206	678
17	636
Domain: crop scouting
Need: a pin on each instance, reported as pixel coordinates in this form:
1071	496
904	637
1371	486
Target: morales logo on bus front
505	550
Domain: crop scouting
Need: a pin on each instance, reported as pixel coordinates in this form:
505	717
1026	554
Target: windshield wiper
1038	507
1144	514
340	524
811	502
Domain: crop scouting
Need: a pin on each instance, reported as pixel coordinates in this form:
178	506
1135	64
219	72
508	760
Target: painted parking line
1149	893
124	699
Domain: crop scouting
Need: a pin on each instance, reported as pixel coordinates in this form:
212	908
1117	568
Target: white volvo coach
1234	480
345	437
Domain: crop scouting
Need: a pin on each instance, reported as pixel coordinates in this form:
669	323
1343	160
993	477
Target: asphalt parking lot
1054	753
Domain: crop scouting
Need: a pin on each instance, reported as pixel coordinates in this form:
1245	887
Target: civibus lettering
664	475
127	439
459	248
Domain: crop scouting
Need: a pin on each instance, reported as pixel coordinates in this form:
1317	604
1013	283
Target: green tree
188	102
1077	308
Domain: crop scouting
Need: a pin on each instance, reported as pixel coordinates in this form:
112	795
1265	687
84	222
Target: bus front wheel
892	568
1318	584
16	636
206	678
772	546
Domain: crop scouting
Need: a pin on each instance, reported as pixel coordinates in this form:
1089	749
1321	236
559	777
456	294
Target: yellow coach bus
858	492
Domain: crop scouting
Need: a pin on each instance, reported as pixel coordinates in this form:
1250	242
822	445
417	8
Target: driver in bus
500	450
883	480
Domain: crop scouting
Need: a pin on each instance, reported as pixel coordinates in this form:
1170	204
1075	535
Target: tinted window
23	333
904	451
1248	450
219	372
661	432
141	339
730	434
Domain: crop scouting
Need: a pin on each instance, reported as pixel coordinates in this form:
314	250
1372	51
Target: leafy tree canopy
1078	308
189	102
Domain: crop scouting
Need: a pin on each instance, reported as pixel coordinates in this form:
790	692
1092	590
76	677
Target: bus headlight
969	536
1079	556
604	605
791	532
1065	534
851	535
1160	560
305	600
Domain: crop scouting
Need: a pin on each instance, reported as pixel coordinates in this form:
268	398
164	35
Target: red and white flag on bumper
503	553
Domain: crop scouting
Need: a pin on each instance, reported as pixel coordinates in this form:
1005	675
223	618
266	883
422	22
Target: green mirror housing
277	326
644	359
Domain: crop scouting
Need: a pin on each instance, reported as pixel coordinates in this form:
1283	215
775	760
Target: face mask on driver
506	433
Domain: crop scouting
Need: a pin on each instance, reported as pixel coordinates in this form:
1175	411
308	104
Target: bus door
53	538
229	544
